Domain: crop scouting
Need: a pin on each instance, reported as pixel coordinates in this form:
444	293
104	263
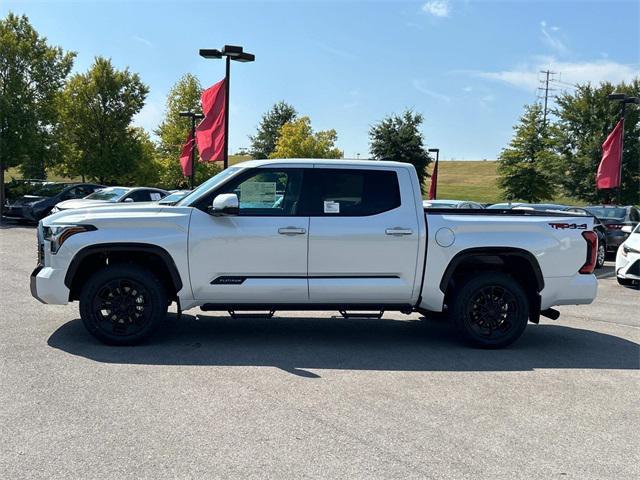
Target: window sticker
259	193
155	196
331	207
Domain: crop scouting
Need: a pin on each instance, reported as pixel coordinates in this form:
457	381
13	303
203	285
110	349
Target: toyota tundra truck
350	236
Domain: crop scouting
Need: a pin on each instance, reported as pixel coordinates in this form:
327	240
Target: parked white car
628	259
315	235
109	195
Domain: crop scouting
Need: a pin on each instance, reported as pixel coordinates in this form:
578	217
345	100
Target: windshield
51	189
603	212
174	197
206	186
108	194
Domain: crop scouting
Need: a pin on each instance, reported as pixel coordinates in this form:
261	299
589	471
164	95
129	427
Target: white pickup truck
314	235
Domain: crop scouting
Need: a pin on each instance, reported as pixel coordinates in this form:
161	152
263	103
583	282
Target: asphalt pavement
311	395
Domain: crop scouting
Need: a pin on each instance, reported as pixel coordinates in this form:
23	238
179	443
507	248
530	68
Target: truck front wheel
123	304
490	310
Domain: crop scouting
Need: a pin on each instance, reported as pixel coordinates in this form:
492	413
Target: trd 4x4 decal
571	226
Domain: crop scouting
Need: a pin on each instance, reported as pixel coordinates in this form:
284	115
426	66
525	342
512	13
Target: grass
457	180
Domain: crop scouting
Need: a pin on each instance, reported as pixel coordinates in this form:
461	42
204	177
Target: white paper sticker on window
331	207
259	193
155	196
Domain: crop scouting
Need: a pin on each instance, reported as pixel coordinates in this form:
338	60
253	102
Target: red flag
185	156
434	182
210	132
609	169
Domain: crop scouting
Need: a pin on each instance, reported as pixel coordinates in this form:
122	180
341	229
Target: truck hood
118	215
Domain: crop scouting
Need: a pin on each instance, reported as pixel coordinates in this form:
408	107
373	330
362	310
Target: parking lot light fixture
230	52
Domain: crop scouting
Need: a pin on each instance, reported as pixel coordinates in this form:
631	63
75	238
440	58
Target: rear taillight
614	226
592	252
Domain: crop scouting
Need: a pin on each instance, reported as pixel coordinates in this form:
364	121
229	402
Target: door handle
398	231
291	231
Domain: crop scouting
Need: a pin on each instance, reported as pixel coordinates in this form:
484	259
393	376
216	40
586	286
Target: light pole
193	116
231	52
623	99
435	171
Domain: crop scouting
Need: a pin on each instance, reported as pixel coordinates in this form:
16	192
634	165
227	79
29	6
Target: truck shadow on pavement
298	344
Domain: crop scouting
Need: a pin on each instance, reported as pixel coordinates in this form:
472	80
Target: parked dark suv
36	206
615	217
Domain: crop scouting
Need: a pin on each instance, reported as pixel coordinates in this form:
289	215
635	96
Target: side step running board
348	315
246	314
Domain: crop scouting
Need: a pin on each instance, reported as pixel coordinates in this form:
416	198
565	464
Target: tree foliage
32	72
263	143
526	166
173	131
97	109
398	138
585	118
298	140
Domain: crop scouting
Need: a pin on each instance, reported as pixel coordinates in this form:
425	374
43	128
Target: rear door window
351	192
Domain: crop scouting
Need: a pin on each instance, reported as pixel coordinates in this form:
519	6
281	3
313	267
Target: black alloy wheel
123	304
490	310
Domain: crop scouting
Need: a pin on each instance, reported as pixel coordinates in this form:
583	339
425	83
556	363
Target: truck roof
324	161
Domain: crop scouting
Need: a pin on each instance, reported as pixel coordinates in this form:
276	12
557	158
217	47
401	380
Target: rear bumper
575	290
47	285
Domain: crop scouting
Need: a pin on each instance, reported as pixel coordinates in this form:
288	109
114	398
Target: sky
467	66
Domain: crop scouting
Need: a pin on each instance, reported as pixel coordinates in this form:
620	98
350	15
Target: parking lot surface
305	395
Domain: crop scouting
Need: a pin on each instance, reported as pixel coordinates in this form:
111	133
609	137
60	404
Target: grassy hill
459	180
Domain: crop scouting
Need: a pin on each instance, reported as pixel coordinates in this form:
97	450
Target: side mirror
128	200
225	204
627	229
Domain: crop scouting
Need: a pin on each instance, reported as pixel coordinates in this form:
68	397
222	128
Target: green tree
97	109
263	143
173	131
585	118
398	138
298	140
526	166
32	72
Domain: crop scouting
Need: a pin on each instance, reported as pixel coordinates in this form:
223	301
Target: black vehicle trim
498	212
222	307
239	279
491	251
123	247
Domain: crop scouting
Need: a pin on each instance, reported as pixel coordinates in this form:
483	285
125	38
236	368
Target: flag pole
227	86
193	151
622	115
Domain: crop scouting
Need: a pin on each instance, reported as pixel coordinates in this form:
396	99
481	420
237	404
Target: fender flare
123	247
460	257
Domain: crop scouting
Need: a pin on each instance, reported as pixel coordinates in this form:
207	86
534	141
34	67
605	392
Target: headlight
59	234
627	250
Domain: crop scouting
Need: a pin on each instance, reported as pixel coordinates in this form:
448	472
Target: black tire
123	304
601	256
490	310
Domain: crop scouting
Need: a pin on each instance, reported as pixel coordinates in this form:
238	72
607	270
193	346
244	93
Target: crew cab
353	236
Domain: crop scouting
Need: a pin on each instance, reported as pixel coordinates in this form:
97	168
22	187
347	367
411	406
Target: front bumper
628	266
47	285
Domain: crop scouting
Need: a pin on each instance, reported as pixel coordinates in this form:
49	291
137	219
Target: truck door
363	235
259	255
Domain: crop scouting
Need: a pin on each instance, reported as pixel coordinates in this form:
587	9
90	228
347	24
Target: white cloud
527	76
422	88
142	40
552	40
437	8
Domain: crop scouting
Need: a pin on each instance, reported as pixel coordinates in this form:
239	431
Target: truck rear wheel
490	310
123	304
